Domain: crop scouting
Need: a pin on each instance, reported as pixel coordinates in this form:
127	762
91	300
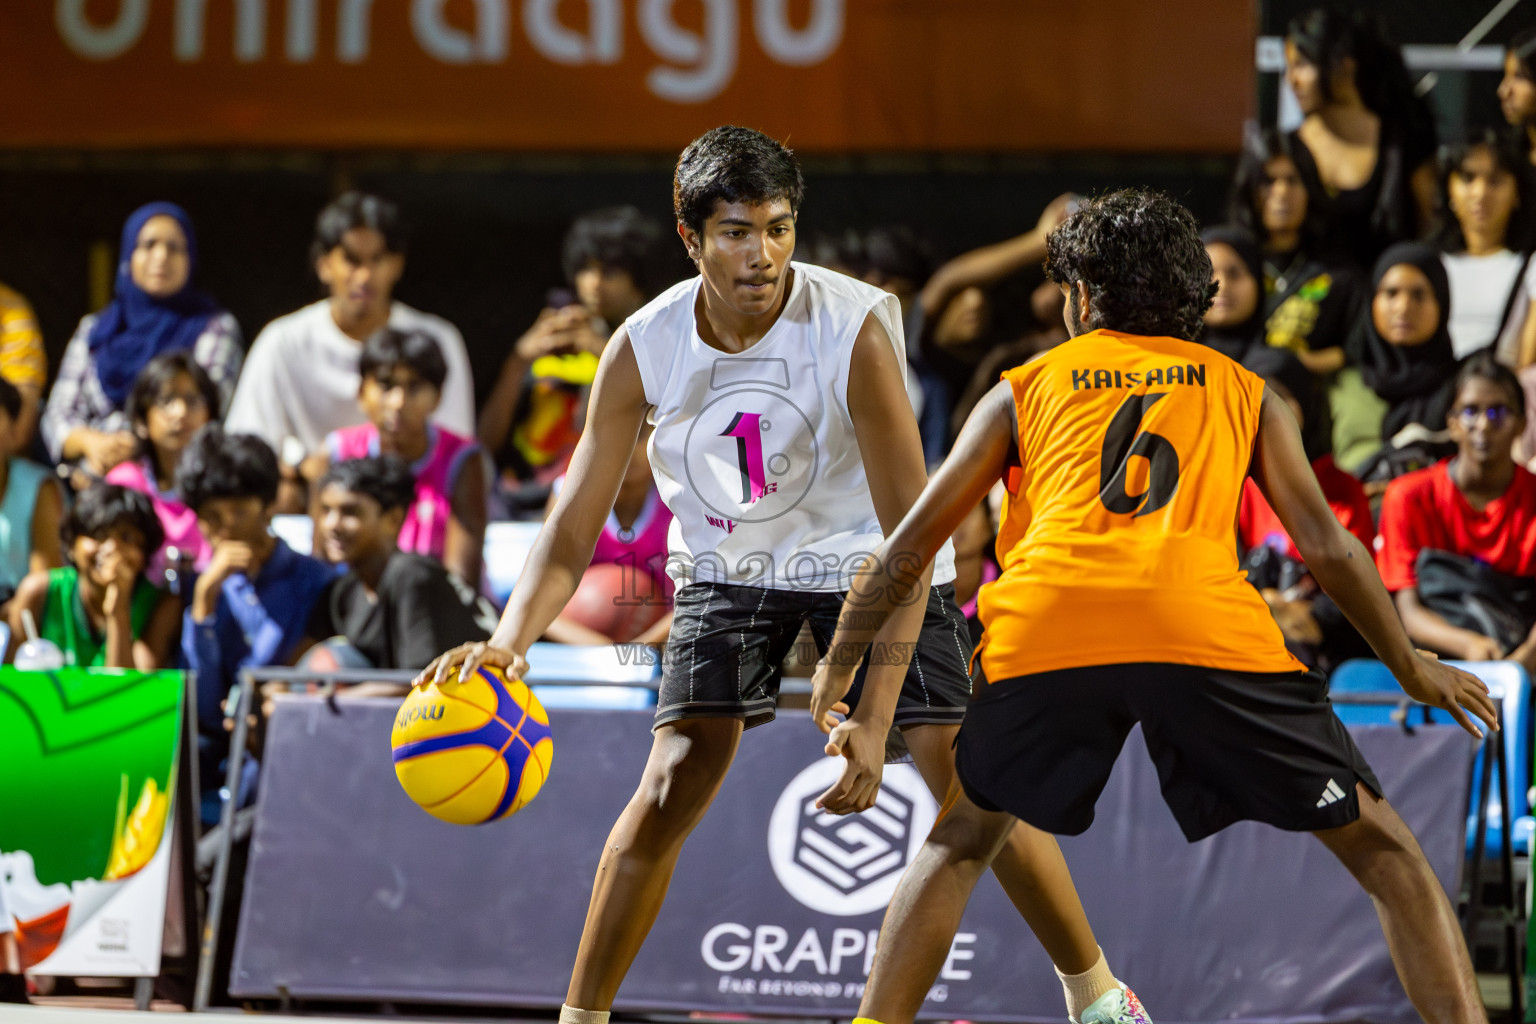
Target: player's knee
969	838
1377	841
676	787
683	774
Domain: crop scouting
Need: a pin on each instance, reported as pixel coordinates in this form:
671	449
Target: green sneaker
1117	1006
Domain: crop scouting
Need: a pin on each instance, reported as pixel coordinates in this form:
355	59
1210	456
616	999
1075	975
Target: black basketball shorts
1228	746
728	642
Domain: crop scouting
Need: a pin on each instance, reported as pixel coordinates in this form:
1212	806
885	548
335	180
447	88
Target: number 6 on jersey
1121	441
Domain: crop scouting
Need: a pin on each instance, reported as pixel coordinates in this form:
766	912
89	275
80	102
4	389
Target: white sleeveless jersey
754	452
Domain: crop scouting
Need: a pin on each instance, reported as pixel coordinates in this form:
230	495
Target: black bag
1470	595
1268	569
1389	463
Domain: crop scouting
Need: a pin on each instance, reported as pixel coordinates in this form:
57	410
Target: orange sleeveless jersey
1118	536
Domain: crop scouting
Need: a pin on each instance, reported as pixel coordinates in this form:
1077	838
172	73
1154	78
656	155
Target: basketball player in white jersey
785	446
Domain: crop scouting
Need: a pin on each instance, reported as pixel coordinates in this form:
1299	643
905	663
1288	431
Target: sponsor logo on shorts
1332	794
847	865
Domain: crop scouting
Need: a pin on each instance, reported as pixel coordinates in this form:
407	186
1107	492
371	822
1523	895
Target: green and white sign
87	772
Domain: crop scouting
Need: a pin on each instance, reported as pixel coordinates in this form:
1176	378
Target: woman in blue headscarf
154	309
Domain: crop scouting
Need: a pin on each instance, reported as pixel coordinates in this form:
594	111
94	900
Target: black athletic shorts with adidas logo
728	642
1228	746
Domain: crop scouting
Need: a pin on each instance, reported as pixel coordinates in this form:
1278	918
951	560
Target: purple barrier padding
352	892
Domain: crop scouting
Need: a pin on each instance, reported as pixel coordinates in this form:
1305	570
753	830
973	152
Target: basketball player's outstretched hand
1442	686
469	657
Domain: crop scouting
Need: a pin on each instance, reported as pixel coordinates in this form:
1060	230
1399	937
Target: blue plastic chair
569	676
1507	683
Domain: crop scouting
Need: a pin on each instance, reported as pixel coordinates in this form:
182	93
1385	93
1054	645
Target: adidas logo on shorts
1332	795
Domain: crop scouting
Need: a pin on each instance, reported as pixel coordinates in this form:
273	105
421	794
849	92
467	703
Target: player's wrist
1411	673
875	706
505	637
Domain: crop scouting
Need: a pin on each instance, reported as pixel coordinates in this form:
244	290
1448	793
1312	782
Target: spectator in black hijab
1402	342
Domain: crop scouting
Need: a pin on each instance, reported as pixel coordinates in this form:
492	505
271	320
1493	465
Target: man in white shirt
301	379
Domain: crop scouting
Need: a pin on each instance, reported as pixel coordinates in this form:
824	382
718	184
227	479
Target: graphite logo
847	865
1332	795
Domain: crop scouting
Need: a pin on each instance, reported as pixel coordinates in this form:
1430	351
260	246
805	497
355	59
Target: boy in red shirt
1479	505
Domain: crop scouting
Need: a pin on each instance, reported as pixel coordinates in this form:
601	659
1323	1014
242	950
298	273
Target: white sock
571	1015
1082	990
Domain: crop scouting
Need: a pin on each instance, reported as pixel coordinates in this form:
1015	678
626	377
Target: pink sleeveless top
426	524
644	544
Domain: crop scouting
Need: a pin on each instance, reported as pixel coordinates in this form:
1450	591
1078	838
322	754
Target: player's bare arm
564	546
1344	569
980	457
893	464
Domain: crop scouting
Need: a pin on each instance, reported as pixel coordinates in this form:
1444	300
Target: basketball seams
543	771
409	748
499	756
508	794
493	712
474	779
500	691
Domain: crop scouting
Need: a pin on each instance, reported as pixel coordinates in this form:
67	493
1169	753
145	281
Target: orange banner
627	75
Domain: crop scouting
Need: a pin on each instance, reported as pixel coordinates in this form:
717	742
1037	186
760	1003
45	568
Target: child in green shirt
99	609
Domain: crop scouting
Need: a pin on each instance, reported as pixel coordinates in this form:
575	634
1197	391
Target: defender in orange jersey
1121	601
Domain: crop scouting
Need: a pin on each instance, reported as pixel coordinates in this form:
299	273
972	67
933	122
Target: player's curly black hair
738	165
1139	252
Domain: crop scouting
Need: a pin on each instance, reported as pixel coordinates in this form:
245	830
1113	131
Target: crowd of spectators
1380	283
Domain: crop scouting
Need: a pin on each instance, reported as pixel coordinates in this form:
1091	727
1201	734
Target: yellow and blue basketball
472	750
